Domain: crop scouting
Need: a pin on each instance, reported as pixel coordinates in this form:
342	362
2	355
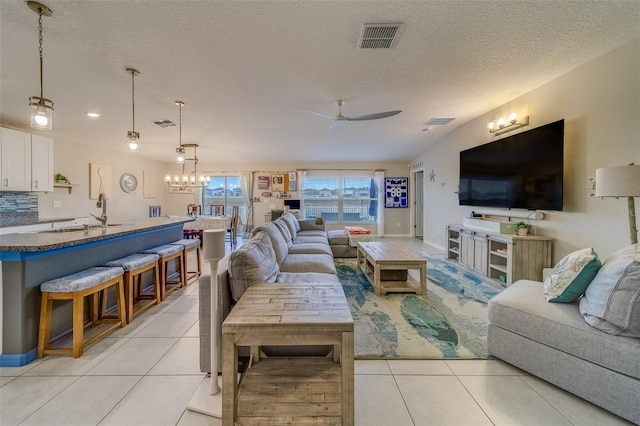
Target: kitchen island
30	258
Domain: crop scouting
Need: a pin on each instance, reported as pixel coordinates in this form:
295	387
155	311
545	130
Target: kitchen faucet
102	202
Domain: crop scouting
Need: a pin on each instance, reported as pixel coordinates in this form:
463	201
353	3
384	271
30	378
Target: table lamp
621	181
208	399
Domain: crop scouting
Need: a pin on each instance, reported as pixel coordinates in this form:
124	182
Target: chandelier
192	180
42	108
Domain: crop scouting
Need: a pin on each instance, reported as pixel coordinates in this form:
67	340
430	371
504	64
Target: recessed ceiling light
93	114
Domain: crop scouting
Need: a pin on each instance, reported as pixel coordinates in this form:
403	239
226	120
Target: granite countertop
50	239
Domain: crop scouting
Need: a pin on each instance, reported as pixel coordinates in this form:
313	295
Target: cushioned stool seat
169	282
134	267
75	287
188	246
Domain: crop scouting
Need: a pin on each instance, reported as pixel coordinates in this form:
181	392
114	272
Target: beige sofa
283	251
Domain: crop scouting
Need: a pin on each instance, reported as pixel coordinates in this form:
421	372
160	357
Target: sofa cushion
279	244
338	237
284	230
570	277
307	278
313	233
309	263
253	263
292	224
612	300
310	248
522	309
313	239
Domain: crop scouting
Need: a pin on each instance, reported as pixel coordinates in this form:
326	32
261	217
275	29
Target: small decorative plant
60	178
522	228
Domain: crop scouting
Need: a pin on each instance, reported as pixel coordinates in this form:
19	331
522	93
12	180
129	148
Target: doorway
419	204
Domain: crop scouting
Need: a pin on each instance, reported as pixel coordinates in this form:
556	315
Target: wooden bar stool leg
46	306
122	311
128	289
78	324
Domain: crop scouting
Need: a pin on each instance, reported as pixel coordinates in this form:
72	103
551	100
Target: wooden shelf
69	186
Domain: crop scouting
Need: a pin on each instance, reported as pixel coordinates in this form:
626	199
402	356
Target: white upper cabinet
26	161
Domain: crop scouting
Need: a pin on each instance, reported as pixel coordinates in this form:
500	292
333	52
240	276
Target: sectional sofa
283	251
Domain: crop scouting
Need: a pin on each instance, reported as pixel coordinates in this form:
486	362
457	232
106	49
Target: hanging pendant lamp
180	151
132	134
42	108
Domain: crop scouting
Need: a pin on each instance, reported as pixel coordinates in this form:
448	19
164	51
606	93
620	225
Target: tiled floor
147	372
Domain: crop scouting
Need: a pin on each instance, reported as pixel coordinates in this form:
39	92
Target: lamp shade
619	181
213	242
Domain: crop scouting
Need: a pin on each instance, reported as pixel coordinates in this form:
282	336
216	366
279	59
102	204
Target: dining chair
217	209
232	230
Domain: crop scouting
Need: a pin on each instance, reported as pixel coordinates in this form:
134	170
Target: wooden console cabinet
505	258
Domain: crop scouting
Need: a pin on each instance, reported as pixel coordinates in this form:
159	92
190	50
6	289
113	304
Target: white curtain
246	182
302	176
381	200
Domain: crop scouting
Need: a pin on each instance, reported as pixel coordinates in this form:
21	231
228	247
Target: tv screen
522	171
292	204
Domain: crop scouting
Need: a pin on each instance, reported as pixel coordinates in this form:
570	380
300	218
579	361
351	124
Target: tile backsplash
18	208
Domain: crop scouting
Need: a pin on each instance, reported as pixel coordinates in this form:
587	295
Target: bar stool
188	246
167	253
93	282
135	266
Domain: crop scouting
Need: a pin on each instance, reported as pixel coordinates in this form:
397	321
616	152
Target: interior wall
73	159
600	103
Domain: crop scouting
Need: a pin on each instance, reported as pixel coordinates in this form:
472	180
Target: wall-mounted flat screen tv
523	171
292	204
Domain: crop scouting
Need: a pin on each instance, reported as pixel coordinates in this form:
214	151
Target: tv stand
504	258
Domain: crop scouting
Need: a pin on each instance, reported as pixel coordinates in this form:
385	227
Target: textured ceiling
246	70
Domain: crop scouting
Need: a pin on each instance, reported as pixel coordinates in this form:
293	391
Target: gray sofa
552	341
284	251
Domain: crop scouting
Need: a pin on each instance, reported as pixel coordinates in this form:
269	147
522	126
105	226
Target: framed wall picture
148	184
277	183
99	180
396	192
263	182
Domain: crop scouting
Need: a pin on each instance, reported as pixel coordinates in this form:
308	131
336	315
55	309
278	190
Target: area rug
450	322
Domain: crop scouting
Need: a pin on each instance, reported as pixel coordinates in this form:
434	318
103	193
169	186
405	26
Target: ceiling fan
340	118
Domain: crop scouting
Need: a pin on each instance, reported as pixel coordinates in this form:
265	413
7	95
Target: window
341	199
226	191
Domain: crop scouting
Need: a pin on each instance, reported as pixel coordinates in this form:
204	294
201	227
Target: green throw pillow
571	276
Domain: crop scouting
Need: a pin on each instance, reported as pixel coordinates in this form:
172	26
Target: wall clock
128	182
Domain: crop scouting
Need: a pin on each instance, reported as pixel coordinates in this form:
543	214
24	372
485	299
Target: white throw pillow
612	300
571	276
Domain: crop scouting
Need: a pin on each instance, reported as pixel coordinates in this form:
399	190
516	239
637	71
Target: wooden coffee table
289	390
386	265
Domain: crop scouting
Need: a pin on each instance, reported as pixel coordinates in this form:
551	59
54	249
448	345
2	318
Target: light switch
57	203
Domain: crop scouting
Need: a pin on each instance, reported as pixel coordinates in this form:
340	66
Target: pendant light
180	151
42	108
132	134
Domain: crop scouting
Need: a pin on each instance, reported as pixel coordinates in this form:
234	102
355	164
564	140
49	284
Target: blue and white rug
449	322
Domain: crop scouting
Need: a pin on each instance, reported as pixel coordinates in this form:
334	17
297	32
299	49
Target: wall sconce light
132	134
42	108
502	126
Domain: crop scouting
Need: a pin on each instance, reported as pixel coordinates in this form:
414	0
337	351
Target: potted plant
60	178
522	228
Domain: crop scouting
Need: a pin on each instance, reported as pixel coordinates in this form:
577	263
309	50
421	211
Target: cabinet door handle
35	183
6	182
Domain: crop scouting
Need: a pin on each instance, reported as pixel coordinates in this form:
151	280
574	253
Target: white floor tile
194	331
4	380
483	367
23	396
134	358
183	358
577	410
371	366
191	418
186	304
419	367
86	402
508	400
66	365
18	371
138	324
170	324
378	402
439	400
155	400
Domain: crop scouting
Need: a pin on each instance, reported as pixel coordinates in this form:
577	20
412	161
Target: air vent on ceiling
436	121
378	36
164	123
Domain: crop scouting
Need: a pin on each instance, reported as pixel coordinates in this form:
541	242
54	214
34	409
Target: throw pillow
612	301
570	277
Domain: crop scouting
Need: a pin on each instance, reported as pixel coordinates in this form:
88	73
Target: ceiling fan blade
331	117
375	116
335	125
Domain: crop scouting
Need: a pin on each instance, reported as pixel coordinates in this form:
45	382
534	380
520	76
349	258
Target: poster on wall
263	182
148	184
396	192
99	180
293	181
277	183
